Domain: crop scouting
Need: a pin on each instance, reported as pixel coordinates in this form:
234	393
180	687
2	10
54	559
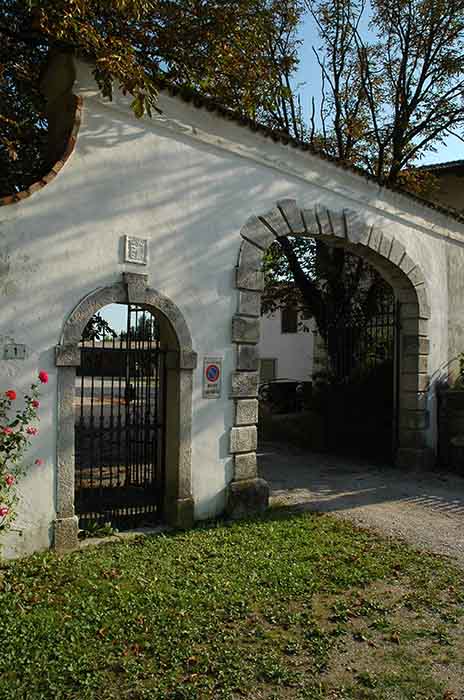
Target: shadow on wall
171	194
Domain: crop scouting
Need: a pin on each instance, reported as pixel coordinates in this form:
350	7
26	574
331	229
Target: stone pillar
66	525
247	493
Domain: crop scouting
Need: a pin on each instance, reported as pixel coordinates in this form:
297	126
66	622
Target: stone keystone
292	215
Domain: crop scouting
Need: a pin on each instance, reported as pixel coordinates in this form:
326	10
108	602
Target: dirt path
425	509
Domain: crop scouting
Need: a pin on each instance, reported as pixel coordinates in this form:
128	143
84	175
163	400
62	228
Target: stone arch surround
350	230
134	289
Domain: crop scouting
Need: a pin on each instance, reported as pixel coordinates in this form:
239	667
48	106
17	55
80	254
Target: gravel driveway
424	509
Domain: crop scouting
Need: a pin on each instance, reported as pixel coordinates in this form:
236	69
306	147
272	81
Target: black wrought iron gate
360	410
120	426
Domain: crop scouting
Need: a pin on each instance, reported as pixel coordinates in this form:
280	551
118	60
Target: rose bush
16	433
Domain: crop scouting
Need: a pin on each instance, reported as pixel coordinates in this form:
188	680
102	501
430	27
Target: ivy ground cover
287	606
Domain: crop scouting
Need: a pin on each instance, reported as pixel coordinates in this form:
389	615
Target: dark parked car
285	395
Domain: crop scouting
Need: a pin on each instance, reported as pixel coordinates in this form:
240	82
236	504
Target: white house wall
186	180
293	352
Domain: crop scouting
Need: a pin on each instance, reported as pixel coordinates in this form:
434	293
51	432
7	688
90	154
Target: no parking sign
212	377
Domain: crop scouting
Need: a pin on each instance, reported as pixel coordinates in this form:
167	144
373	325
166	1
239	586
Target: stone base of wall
247	497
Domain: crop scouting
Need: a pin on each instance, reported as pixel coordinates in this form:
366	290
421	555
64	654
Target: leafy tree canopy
232	50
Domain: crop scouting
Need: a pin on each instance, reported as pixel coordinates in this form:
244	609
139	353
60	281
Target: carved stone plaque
136	250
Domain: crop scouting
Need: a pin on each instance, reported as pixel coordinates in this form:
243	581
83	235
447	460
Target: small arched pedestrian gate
174	499
120	420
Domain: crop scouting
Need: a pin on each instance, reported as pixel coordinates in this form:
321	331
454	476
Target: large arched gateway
391	259
160	483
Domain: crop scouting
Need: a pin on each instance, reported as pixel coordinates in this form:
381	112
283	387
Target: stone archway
390	257
178	498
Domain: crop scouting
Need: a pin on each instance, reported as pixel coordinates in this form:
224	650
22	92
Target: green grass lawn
286	606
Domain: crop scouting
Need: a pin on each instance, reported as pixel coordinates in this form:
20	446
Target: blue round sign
212	373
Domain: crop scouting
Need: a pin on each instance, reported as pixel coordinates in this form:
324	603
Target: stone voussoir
375	239
325	225
416	276
257	233
68	355
385	246
397	252
310	222
357	231
406	264
250	255
422	298
337	223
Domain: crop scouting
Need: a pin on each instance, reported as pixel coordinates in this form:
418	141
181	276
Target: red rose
9	479
39	462
4	510
31	431
35	403
11	393
43	376
7	431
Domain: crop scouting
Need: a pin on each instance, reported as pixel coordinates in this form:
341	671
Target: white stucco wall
293	351
187	180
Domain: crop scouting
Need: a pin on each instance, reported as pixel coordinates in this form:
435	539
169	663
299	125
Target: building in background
286	346
450	185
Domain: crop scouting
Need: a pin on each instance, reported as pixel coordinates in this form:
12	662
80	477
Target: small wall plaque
14	351
136	250
212	377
